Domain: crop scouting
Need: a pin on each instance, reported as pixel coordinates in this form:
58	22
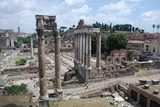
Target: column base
99	72
59	93
89	68
44	101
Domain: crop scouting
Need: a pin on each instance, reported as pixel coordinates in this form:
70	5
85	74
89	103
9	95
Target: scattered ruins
119	63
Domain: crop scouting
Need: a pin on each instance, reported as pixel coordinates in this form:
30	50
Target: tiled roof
136	42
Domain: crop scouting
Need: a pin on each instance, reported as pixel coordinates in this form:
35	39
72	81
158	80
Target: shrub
15	89
21	62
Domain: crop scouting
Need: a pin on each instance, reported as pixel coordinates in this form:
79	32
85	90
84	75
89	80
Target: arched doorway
116	60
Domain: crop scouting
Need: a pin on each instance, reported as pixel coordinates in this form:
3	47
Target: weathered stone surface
156	92
142	81
155	82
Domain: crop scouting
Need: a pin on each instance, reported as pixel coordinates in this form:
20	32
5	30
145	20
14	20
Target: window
154	49
147	48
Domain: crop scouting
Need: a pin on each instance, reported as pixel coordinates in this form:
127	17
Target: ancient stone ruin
82	63
44	22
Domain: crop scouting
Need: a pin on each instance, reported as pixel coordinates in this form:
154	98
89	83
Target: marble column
89	51
58	89
32	52
98	53
82	49
86	51
75	46
79	50
84	44
43	99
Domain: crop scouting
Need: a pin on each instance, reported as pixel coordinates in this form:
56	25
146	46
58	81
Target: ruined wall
119	70
30	70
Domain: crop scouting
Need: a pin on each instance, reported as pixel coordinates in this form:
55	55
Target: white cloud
16	13
121	8
135	0
72	17
151	17
71	3
82	10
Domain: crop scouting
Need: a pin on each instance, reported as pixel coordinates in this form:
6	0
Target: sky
139	13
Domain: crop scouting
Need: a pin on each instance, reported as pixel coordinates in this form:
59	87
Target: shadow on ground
11	105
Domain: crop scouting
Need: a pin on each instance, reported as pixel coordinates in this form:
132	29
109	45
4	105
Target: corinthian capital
40	32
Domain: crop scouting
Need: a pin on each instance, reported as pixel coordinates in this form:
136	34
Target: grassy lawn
17	100
73	83
91	102
20	57
51	74
2	57
144	72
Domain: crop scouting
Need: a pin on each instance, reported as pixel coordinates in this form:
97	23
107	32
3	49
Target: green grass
93	66
50	74
19	100
20	57
91	102
144	72
2	57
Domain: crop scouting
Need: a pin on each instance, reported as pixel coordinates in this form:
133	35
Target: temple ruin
44	22
82	62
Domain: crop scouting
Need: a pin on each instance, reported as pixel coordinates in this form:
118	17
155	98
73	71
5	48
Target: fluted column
32	52
84	44
86	51
79	49
82	49
75	48
42	68
89	51
57	60
98	53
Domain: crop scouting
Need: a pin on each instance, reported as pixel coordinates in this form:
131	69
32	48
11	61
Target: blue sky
139	13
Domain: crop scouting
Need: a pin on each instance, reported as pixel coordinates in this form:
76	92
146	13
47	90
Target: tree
62	28
142	31
110	26
153	27
93	42
117	41
133	29
158	26
104	48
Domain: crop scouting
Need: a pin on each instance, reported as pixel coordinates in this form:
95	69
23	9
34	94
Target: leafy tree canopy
117	41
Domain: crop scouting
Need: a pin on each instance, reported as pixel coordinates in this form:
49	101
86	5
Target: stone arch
116	60
109	60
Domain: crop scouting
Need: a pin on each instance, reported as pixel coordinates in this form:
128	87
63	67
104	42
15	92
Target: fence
106	85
